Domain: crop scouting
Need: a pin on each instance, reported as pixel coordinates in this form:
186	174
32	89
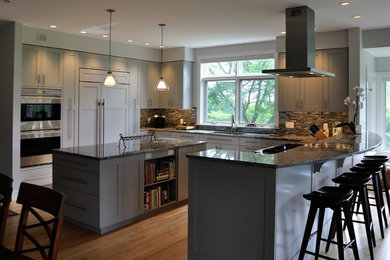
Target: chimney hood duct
300	45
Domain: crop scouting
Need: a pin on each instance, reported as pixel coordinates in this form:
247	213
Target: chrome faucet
233	126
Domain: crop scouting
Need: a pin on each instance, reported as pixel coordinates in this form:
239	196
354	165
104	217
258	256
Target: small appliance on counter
316	132
159	121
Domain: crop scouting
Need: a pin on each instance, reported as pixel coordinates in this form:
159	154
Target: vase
358	128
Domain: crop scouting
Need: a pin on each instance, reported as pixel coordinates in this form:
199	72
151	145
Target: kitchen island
250	206
109	186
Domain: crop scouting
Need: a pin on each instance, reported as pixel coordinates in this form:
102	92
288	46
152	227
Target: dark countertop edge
128	153
215	132
285	165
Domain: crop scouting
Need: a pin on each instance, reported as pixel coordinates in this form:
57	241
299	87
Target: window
239	88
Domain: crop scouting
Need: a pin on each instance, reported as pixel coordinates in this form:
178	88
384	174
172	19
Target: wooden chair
5	200
34	197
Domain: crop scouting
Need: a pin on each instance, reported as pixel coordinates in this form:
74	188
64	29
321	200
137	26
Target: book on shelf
159	171
156	197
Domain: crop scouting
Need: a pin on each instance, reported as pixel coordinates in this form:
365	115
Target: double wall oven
40	125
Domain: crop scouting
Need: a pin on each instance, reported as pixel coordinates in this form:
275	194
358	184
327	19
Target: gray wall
382	64
10	71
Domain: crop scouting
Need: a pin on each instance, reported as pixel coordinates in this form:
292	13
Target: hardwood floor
160	237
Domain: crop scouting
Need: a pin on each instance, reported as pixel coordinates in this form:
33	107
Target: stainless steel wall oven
40	125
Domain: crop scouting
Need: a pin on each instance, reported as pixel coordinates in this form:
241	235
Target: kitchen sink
229	133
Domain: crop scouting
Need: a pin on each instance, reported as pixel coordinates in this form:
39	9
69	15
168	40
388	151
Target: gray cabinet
316	94
178	77
336	89
42	67
133	181
182	186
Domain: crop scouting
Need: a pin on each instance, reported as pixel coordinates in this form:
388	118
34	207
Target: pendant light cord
109	44
161	47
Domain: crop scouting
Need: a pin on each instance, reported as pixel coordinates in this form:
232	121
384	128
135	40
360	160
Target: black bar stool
358	183
374	169
337	199
380	159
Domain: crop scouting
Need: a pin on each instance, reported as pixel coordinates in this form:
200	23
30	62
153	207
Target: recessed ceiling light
147	44
161	46
356	17
282	32
344	3
53	26
104	36
83	32
129	40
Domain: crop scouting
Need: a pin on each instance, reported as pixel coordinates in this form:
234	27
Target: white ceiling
190	23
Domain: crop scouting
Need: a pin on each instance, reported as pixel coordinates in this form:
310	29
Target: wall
376	38
382	64
303	120
172	116
10	71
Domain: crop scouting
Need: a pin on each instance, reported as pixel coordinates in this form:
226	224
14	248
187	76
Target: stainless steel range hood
300	45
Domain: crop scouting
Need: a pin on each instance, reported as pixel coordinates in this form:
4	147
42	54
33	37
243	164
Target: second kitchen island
249	205
108	187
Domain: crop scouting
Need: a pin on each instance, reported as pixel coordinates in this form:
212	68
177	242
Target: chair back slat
5	200
51	201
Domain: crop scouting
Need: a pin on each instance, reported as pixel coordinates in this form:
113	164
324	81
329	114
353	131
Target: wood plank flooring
160	237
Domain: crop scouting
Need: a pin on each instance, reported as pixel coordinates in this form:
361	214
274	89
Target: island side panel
291	208
231	211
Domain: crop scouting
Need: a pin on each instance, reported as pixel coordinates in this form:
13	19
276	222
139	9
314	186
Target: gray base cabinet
103	195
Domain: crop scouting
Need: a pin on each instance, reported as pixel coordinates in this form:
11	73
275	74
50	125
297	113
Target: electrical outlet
289	124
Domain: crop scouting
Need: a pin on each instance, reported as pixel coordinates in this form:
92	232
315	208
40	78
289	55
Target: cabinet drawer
187	136
251	142
75	162
159	154
80	206
76	179
220	139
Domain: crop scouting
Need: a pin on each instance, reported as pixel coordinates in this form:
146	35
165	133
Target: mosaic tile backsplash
303	120
172	116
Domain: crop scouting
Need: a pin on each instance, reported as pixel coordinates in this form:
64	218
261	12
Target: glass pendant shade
109	81
162	85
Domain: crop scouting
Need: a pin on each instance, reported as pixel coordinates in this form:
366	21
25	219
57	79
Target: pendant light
161	84
109	81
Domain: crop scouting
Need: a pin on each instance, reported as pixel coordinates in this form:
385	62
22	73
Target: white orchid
359	96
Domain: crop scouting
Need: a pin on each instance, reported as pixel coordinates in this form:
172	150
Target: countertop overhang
112	150
337	147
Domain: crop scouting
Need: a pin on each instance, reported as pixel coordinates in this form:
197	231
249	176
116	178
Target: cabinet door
111	191
183	172
288	89
133	189
311	90
31	66
336	89
166	97
69	100
52	68
153	77
116	111
89	94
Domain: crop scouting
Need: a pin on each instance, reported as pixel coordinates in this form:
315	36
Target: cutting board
185	127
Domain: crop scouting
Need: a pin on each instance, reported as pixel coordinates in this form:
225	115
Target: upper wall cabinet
178	76
96	61
316	94
42	67
336	89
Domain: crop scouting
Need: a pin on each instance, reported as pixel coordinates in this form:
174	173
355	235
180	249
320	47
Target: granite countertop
236	134
336	147
111	150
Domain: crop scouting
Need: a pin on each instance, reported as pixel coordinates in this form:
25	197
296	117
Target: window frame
237	78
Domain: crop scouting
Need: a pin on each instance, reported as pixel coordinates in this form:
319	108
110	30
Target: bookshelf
160	185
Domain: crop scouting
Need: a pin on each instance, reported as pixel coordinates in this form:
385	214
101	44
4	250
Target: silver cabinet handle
43	80
39	79
296	104
301	104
